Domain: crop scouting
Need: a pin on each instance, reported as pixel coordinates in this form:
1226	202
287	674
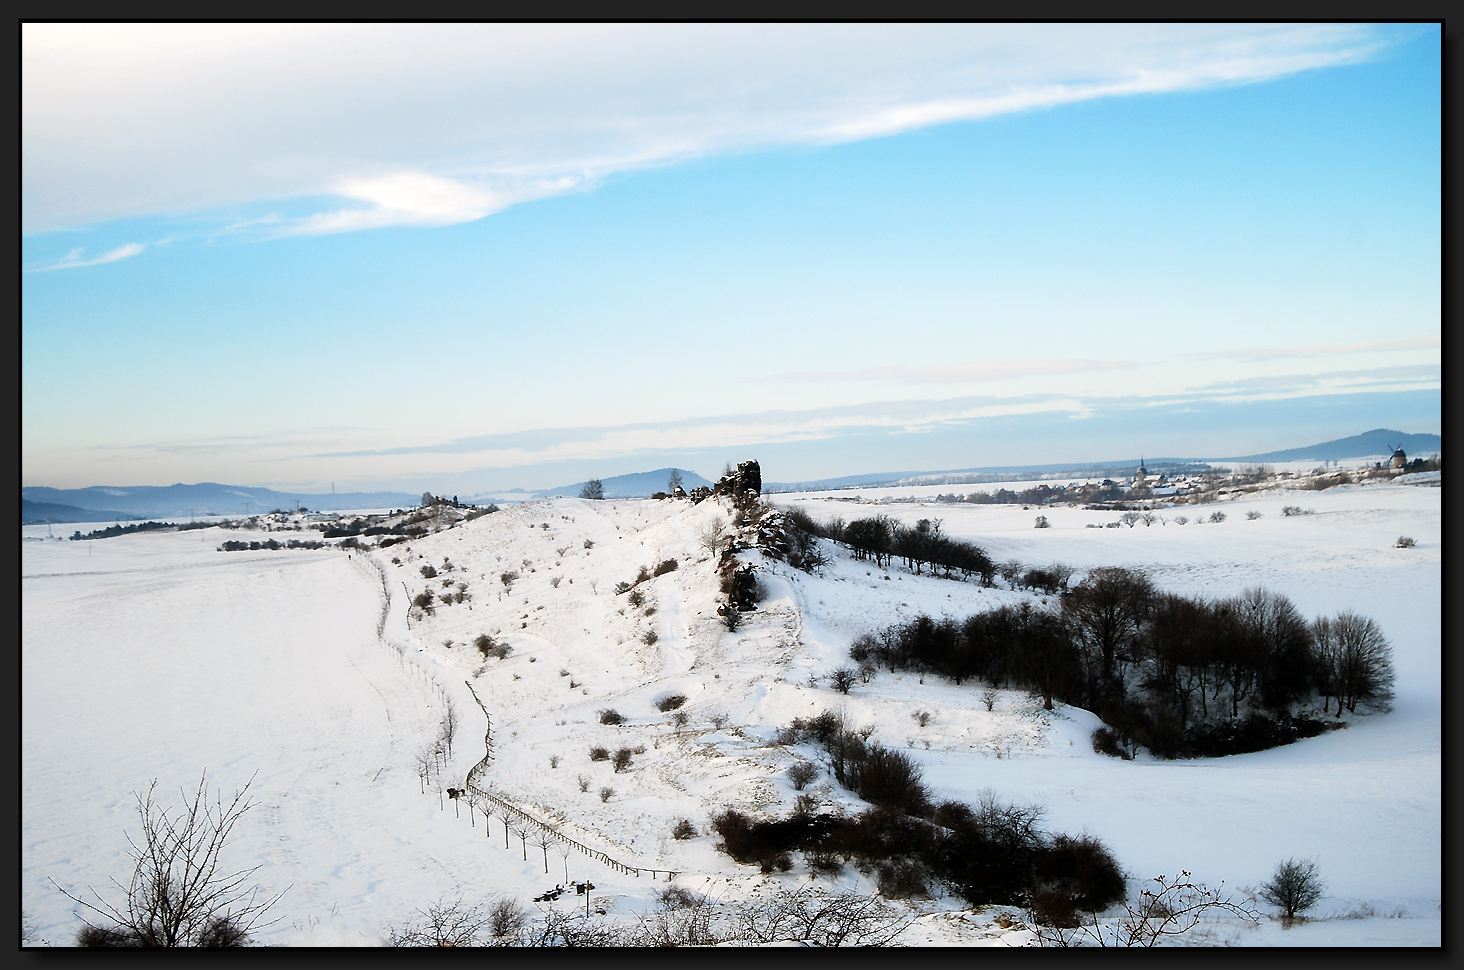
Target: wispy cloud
1375	378
1319	350
434	124
970	372
75	258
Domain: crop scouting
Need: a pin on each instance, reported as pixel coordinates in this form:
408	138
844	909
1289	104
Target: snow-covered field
154	656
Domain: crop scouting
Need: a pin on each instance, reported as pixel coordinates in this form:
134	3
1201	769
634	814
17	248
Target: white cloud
433	124
74	259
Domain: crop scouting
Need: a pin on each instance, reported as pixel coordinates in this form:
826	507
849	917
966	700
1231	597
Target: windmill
1400	458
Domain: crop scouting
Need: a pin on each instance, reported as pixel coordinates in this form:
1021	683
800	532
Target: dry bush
802	774
670	702
443	924
622	759
180	895
610	716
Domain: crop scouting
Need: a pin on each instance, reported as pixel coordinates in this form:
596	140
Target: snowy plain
155	656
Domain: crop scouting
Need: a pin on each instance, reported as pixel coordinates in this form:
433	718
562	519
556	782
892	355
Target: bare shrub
1294	888
902	879
610	716
1041	523
584	782
802	774
429	572
666	566
508	577
443	924
554	761
679	719
803	915
683	830
670	702
636	598
1171	910
599	754
506	917
988	698
179	895
622	759
921	718
1404	542
607	793
555	581
650	637
1217	516
843	679
1253	514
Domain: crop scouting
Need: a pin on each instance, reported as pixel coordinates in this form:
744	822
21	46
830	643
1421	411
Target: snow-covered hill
159	656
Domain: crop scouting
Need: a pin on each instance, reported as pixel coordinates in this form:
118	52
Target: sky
471	258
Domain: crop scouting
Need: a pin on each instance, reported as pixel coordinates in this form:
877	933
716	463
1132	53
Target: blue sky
477	258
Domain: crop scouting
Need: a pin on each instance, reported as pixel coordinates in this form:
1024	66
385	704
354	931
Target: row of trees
881	539
1178	675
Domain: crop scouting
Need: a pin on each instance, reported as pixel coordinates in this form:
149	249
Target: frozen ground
155	656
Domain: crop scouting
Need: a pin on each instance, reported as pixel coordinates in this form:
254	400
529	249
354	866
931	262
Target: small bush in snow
1041	523
589	543
610	716
802	774
1294	888
650	637
599	754
1181	519
636	597
584	782
684	830
428	572
843	679
1217	516
606	793
922	718
665	567
1405	542
670	702
622	759
1252	515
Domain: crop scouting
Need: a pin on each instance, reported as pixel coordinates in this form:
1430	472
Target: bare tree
713	538
843	679
1294	888
674	482
593	489
180	895
1354	659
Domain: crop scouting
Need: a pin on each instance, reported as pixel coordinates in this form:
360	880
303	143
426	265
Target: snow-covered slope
158	656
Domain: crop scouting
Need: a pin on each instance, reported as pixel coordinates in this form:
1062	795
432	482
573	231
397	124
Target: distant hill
636	485
206	498
1381	441
39	513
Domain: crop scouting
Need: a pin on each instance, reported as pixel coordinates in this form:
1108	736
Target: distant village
1145	490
